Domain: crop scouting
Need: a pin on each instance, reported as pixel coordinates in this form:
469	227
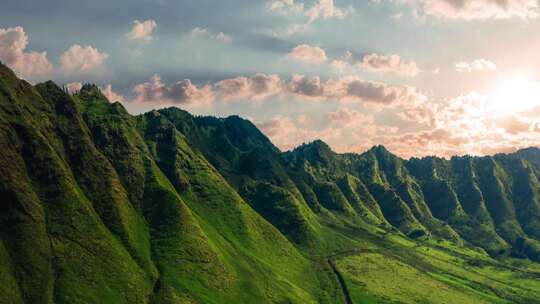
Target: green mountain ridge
99	206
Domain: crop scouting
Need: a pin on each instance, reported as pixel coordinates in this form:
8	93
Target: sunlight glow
516	94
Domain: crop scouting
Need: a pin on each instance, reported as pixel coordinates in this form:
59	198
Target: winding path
341	281
331	262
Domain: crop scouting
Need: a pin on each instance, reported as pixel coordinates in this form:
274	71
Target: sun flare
516	94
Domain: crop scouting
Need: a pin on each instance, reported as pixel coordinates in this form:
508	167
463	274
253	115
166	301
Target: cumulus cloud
354	89
82	59
479	9
206	33
346	89
285	6
111	95
389	63
308	53
309	87
142	31
382	93
181	92
257	87
326	9
321	9
263	86
13	42
476	65
377	63
473	123
73	87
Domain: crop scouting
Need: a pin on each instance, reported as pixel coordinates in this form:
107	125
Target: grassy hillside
99	206
104	207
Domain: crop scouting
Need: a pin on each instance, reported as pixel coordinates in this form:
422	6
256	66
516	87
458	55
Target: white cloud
285	6
206	33
13	42
476	65
142	31
82	59
73	87
326	9
389	63
377	63
308	53
472	123
321	9
478	9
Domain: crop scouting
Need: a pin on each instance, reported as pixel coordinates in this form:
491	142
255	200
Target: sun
516	94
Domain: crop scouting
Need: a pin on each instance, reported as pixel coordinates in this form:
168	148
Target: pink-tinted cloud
389	64
82	59
258	87
289	132
476	65
467	124
321	9
142	31
345	129
479	9
111	95
13	42
381	93
346	89
308	53
376	63
308	87
73	87
326	9
181	92
353	89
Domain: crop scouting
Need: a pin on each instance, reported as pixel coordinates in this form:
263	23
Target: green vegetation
99	206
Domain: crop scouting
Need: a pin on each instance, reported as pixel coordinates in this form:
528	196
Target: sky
421	77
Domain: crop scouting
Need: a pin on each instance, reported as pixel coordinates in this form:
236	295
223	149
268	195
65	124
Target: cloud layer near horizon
421	77
262	86
478	9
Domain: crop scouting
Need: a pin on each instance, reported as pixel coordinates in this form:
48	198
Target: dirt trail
341	281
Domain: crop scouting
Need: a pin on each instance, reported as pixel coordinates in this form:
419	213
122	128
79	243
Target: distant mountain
99	206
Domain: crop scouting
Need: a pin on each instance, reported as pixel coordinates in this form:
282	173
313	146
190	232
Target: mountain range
101	206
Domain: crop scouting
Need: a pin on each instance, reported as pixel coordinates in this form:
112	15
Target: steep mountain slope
102	207
99	206
489	202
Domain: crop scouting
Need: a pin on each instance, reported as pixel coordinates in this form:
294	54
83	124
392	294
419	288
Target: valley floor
398	270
